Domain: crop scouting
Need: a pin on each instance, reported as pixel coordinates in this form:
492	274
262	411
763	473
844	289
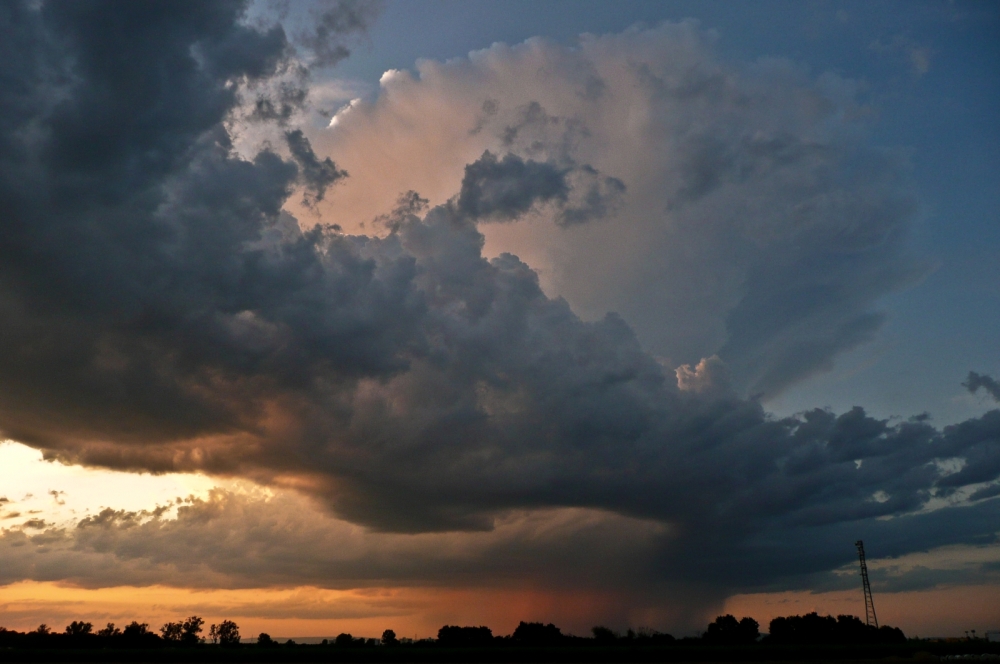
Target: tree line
77	634
810	629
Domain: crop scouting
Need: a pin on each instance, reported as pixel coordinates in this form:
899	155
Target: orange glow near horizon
924	613
304	611
419	612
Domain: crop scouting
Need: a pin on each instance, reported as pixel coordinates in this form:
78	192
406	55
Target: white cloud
342	111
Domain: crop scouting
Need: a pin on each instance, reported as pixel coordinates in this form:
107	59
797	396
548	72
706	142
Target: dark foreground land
809	638
912	651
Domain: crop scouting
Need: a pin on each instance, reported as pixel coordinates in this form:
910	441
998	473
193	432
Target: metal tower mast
869	604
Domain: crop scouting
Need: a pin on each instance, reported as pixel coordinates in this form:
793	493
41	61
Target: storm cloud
162	313
506	189
316	176
975	381
246	539
754	220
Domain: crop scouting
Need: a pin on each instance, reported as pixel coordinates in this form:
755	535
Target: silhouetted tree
343	640
536	634
137	634
190	629
726	630
604	635
814	628
389	638
79	628
41	636
136	628
651	636
455	636
888	634
171	632
264	639
109	631
228	633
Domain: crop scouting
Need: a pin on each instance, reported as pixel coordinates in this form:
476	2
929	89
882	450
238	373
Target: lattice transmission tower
869	604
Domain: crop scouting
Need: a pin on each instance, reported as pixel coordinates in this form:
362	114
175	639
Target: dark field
914	651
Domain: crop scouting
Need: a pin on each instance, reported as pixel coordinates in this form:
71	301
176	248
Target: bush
604	635
455	636
726	630
813	628
537	634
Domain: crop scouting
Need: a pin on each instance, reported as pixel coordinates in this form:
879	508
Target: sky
343	316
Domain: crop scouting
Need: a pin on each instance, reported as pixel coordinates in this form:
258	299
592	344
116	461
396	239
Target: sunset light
565	323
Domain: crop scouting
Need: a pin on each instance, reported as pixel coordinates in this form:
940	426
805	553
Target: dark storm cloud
327	22
278	105
506	189
599	196
586	194
316	175
987	383
317	32
161	313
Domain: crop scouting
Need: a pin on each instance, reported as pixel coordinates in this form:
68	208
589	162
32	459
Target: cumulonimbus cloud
161	313
754	220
